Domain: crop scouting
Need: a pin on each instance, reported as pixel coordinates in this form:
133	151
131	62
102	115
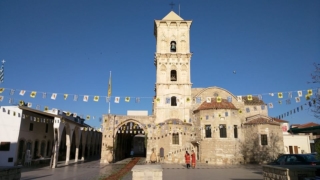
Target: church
220	127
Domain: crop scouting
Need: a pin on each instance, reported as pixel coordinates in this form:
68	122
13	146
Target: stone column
67	153
83	151
77	154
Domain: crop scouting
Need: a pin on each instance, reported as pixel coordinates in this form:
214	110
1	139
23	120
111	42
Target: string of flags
167	100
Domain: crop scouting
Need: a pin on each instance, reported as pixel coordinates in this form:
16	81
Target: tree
315	76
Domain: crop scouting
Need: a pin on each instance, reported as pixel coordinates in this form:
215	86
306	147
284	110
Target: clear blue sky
69	47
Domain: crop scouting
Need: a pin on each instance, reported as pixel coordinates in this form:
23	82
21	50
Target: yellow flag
240	111
109	86
219	99
127	99
68	113
1	90
280	95
33	94
307	97
96	98
65	96
46	108
21	103
310	92
249	97
88	117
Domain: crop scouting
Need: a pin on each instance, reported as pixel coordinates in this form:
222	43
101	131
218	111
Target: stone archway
129	136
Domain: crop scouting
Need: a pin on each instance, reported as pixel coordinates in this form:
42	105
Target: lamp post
114	156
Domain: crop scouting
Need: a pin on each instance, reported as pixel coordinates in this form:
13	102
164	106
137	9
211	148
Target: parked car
296	159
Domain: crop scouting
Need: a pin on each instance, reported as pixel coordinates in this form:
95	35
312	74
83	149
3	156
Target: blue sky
70	47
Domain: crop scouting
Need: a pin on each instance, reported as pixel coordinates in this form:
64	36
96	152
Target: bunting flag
46	108
44	95
280	95
11	101
107	99
1	98
239	98
270	105
240	111
127	99
38	107
263	107
85	98
21	103
1	90
290	95
96	98
310	92
117	99
249	97
75	97
229	98
22	92
33	94
288	101
219	99
297	99
137	100
280	102
307	97
68	113
271	94
299	93
208	99
54	96
75	114
2	72
12	92
29	104
88	117
65	96
260	97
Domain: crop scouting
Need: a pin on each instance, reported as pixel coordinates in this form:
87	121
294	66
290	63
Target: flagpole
109	92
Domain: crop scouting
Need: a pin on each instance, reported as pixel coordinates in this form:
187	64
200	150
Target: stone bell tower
172	61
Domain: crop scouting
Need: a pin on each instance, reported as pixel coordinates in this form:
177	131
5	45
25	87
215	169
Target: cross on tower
171	4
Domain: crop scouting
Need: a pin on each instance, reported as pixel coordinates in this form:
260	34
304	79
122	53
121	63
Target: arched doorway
129	136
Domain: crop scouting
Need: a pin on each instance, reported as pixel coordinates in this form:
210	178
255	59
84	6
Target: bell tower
172	61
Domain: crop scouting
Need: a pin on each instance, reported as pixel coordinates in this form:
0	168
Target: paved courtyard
94	170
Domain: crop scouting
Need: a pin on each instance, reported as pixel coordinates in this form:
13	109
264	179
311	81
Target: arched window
173	75
173	46
173	101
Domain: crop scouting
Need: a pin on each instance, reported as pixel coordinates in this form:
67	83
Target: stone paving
93	170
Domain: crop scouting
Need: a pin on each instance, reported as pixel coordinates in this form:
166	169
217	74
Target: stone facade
211	121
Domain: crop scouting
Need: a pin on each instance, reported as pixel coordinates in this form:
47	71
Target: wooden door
290	150
296	150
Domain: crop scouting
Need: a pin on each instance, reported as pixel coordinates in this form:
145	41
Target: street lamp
114	156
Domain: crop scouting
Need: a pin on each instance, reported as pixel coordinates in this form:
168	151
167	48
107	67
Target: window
247	110
173	101
173	46
223	130
31	127
264	139
5	146
173	75
208	131
226	114
8	111
175	138
235	131
207	117
47	127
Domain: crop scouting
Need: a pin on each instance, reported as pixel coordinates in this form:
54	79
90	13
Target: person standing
193	159
187	158
131	153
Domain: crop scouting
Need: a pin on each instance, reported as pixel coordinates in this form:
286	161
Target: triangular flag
297	99
299	93
289	95
85	98
280	95
107	99
260	97
208	99
11	100
29	104
22	92
21	103
65	96
249	97
96	98
75	97
44	95
307	97
239	98
117	99
271	94
12	92
229	98
75	114
137	100
270	105
33	94
280	102
1	90
310	92
127	99
219	99
88	117
54	96
38	107
1	98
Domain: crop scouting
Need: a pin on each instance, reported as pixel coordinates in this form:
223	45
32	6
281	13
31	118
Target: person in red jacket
187	157
193	159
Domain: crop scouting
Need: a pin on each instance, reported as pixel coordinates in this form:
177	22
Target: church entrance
130	136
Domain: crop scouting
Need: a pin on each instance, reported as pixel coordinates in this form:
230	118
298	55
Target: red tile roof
261	120
280	120
224	104
306	125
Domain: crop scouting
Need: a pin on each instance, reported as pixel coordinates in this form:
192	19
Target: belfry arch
129	135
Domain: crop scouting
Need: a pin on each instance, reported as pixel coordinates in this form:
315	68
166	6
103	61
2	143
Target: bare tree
315	76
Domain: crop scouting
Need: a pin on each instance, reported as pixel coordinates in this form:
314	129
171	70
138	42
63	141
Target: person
193	159
187	157
131	153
